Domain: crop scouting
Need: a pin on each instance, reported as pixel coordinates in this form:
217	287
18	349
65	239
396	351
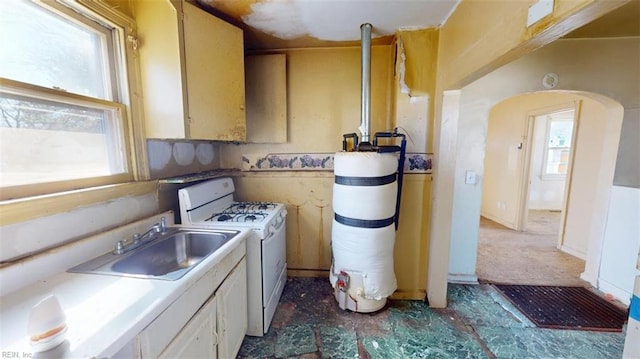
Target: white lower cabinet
198	339
217	328
232	312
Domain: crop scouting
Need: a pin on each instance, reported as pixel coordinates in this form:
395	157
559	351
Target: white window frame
555	176
125	77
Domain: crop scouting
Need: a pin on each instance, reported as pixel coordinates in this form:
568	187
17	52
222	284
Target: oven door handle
277	226
274	228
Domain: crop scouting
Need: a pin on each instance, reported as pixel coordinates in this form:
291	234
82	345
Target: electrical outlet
470	177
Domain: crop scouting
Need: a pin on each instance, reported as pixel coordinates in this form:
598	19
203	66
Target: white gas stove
211	204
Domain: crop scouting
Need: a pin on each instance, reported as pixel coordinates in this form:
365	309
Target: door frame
525	180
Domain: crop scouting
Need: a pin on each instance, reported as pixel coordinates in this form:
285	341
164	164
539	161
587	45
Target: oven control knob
279	220
272	229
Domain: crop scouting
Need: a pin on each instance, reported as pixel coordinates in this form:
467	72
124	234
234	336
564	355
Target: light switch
470	177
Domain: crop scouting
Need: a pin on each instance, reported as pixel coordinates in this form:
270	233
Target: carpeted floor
530	257
478	323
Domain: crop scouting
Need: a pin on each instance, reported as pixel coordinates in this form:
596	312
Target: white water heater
363	232
366	195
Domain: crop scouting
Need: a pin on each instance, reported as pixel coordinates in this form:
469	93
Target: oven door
274	259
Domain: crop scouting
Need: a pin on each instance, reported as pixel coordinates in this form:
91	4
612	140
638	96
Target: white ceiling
278	24
335	20
322	21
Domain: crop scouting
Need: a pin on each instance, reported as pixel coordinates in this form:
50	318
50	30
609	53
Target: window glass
558	144
46	141
560	133
44	48
60	125
557	161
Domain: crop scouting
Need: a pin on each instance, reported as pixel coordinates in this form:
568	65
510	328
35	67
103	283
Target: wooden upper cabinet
192	70
266	91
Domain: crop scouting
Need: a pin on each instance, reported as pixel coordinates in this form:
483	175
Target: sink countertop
103	312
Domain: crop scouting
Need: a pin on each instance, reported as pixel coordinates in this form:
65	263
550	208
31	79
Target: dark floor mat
564	307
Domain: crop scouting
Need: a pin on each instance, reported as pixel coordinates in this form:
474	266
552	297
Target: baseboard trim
408	294
593	280
462	278
621	294
308	273
573	252
499	220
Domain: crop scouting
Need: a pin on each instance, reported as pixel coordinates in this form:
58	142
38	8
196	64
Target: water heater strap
365	181
364	223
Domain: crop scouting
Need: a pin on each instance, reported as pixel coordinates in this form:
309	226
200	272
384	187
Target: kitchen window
63	99
558	145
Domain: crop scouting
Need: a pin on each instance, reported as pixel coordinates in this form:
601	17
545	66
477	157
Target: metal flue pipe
365	75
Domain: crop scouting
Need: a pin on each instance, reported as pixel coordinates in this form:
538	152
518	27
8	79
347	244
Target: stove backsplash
170	158
414	163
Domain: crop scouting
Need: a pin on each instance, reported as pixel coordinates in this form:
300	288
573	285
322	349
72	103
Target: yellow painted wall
421	51
124	6
415	85
323	101
480	36
323	98
308	198
412	238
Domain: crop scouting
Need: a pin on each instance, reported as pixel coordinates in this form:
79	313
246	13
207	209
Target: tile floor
478	323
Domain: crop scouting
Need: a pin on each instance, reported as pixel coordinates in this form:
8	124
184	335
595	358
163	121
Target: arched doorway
509	174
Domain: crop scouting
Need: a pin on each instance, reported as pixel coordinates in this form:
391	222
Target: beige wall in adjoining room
606	71
504	162
478	38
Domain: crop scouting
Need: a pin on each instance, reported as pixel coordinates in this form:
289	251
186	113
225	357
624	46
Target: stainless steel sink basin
169	257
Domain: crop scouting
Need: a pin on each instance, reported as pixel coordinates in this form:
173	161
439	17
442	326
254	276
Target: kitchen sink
168	257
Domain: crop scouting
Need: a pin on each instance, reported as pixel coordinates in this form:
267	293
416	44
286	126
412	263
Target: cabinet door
214	60
161	66
198	338
232	311
266	91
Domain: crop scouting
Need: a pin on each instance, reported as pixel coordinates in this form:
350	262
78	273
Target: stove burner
231	216
251	206
244	212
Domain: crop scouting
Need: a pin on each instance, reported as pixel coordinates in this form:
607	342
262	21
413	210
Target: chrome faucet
156	228
159	228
